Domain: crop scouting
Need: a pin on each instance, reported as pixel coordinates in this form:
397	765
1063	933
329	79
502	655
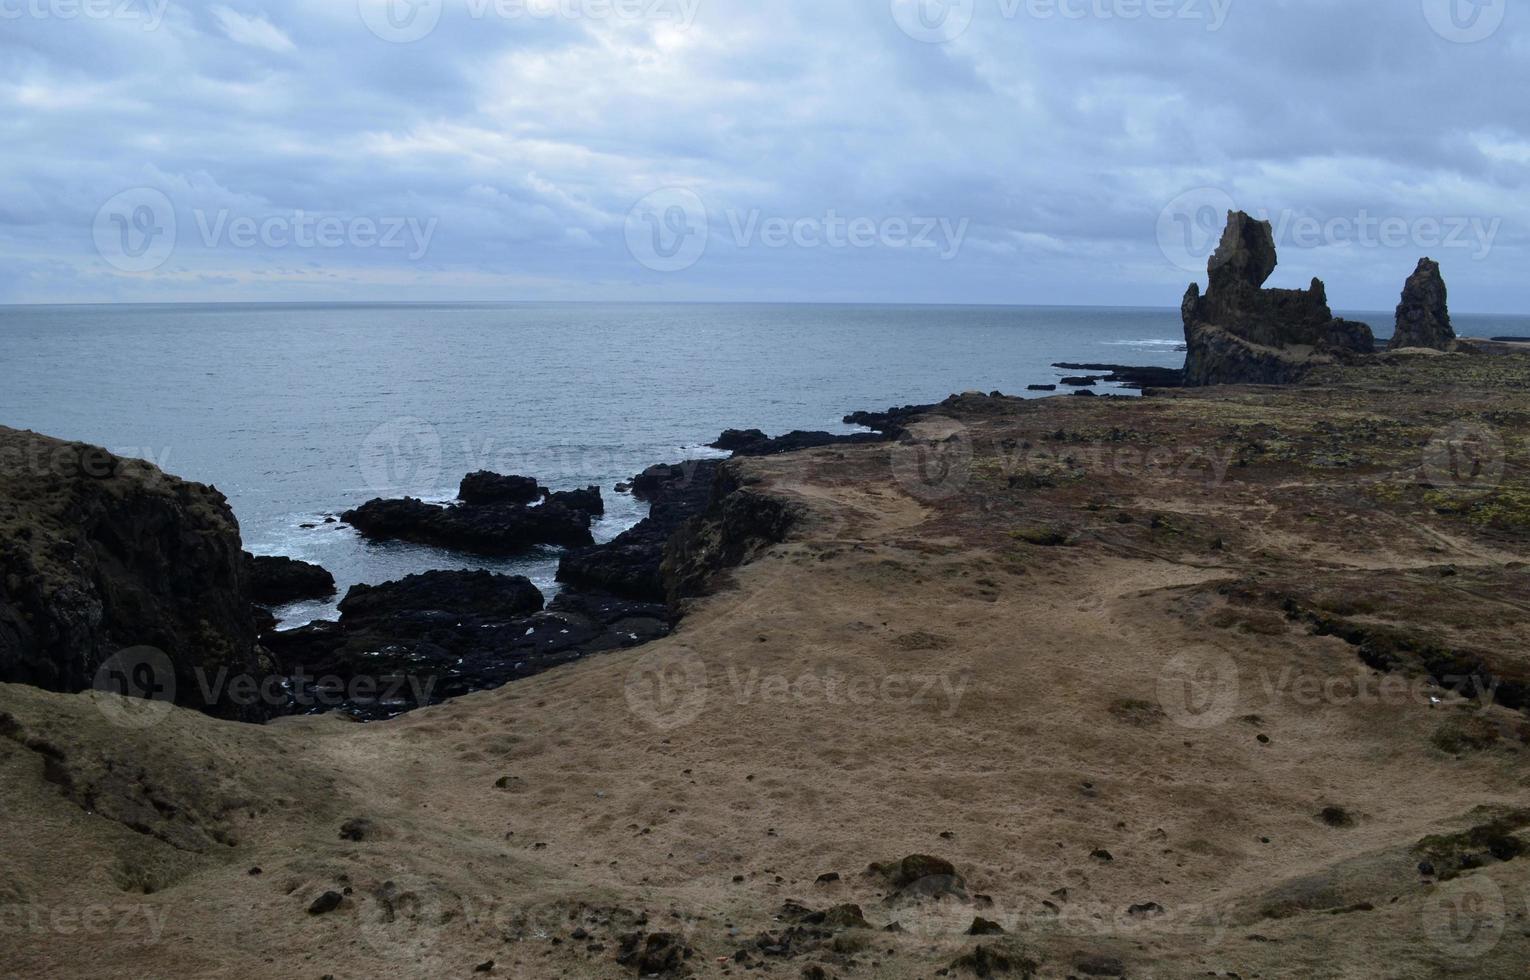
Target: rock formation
739	524
443	634
587	500
100	555
484	529
1423	317
629	566
276	581
1242	333
492	488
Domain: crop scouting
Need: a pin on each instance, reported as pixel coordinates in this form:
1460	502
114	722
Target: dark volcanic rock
484	487
1423	317
920	876
794	441
733	440
587	500
100	554
275	581
487	529
658	954
681	483
738	525
444	634
630	566
884	425
891	423
1127	376
458	593
1040	387
1241	333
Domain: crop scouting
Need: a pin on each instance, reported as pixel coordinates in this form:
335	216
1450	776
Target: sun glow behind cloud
528	134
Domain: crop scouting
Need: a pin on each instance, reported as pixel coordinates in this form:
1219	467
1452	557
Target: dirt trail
1106	733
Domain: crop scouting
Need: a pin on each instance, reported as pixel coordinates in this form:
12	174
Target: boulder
484	487
1241	333
1423	317
100	555
587	500
276	581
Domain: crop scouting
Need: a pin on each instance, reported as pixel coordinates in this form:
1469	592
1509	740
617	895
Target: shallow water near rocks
298	412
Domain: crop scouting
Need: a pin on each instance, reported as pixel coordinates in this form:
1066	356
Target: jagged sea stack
1423	317
1242	333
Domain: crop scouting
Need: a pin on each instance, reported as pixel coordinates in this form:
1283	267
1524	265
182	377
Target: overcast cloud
986	151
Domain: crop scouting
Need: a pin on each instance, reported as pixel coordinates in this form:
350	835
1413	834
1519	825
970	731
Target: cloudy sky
968	151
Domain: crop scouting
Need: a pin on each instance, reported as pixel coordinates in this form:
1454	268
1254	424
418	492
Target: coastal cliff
105	556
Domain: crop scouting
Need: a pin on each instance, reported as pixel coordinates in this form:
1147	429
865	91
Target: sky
1068	152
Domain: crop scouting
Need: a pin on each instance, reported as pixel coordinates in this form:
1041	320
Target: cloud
255	32
528	132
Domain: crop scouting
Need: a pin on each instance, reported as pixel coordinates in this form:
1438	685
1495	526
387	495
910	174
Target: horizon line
585	302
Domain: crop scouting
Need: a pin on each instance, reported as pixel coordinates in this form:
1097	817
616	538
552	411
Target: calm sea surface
298	412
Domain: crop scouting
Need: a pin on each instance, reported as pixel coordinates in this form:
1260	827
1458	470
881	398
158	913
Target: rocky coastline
1030	590
124	557
93	537
1022	636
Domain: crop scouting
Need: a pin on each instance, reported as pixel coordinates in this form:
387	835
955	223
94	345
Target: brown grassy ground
1054	630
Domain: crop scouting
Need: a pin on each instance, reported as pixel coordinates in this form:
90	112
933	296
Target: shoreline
999	663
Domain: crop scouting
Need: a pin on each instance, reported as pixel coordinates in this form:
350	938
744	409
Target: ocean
298	412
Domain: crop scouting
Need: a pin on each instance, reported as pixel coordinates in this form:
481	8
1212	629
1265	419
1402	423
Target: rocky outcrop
99	555
587	500
477	593
1126	375
732	440
1423	317
276	581
753	442
738	525
491	488
630	565
1241	333
884	425
440	635
485	529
